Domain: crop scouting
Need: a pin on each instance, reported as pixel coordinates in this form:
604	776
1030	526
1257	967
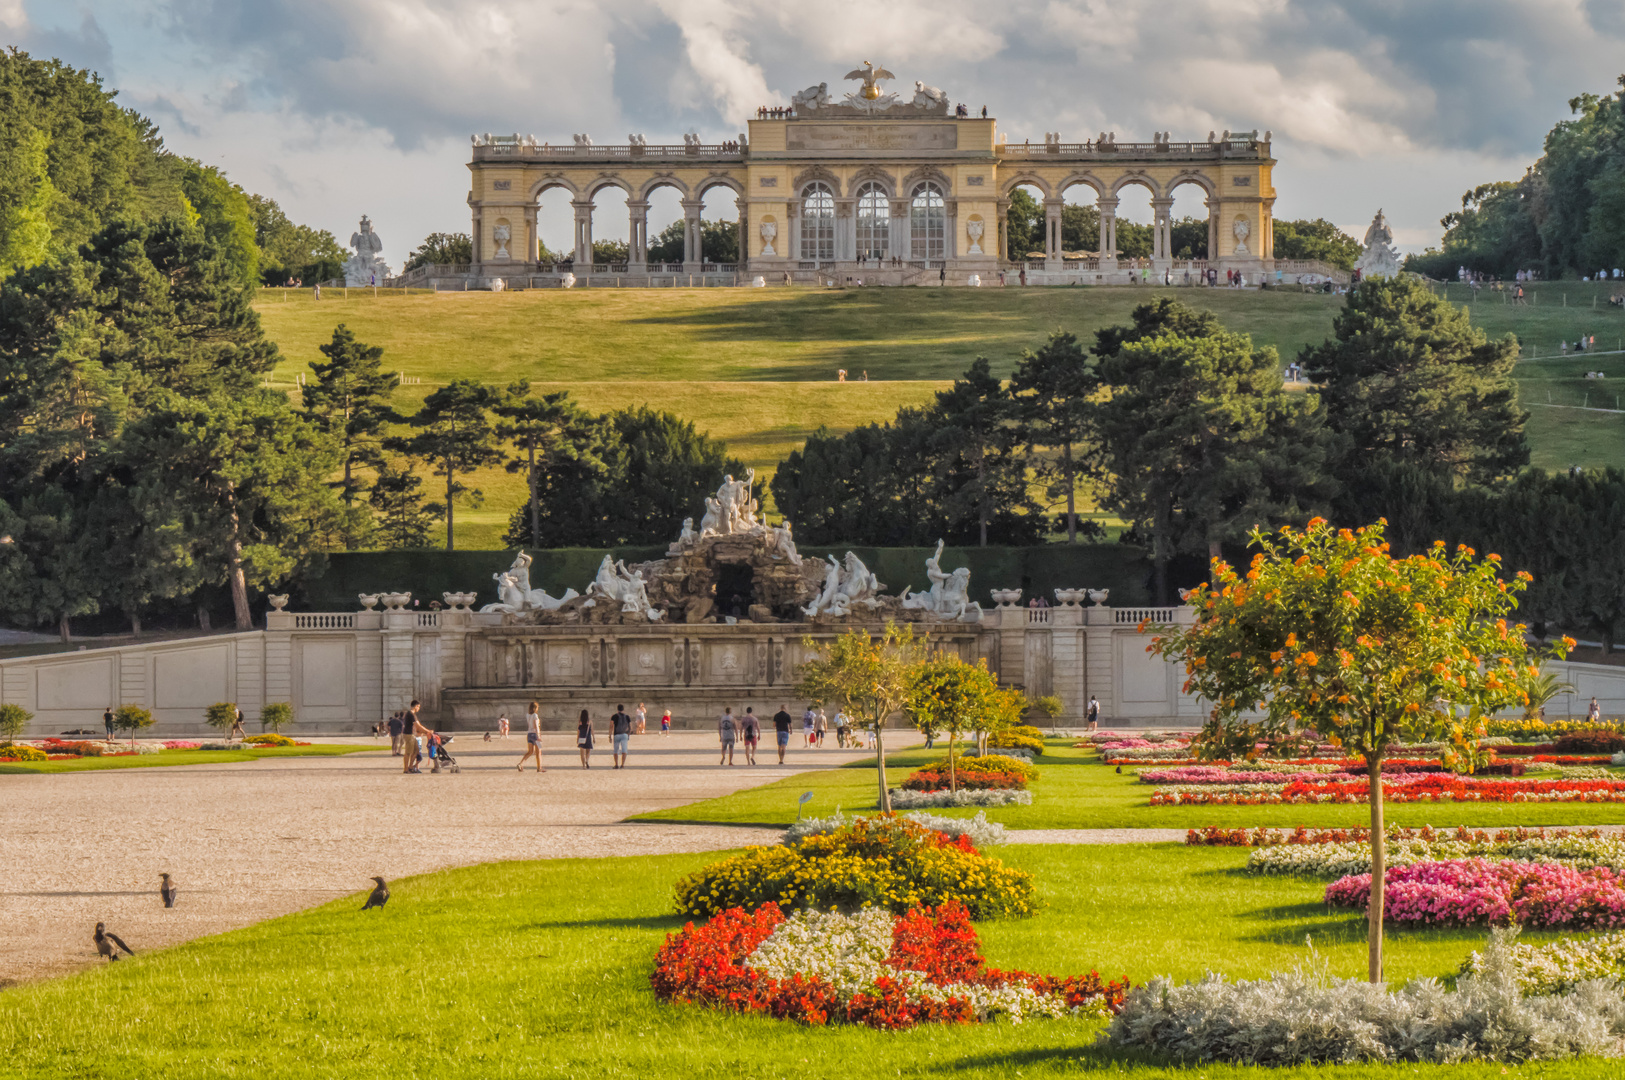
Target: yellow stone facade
905	191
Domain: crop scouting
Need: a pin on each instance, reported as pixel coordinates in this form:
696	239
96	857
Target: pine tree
404	520
1052	389
1406	376
977	440
349	400
455	434
551	432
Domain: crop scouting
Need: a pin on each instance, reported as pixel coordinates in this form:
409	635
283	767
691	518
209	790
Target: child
665	722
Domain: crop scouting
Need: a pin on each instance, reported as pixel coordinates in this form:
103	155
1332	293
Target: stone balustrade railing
613	152
1174	151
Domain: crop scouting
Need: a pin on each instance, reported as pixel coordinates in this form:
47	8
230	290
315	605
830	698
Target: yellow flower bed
874	863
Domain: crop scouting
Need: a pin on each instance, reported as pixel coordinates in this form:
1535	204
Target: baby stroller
439	756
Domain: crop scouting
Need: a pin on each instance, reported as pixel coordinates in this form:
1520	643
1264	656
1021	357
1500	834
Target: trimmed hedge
428	572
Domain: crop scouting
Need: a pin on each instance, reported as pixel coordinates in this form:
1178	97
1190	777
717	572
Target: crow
168	891
380	895
106	942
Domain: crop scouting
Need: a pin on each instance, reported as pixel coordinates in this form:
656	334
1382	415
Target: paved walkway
254	840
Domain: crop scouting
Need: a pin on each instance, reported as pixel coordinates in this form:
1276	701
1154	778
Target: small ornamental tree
867	676
950	696
221	715
13	718
275	714
131	718
1328	633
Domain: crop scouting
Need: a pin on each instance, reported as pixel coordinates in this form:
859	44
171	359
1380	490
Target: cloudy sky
341	107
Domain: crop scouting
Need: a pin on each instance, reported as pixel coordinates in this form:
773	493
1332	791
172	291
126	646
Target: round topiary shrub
890	863
13	718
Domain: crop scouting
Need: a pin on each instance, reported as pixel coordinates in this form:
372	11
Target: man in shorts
727	732
411	728
395	734
781	729
620	729
751	729
107	722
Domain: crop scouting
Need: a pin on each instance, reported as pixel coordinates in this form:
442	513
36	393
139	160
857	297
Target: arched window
874	222
818	222
928	223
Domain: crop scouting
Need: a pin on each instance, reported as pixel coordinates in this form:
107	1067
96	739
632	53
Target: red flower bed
705	965
936	779
1431	788
1262	837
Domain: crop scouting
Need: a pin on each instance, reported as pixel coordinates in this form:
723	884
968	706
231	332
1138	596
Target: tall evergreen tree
349	399
548	431
404	519
1200	442
455	434
1052	389
978	443
1405	375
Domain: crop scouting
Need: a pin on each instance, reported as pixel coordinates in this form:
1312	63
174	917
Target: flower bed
936	800
889	863
1306	1017
271	739
1262	837
937	778
76	747
1466	892
22	752
1404	788
1354	857
1559	967
871	968
182	744
978	830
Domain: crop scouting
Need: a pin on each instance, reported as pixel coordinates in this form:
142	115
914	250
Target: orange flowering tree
1329	635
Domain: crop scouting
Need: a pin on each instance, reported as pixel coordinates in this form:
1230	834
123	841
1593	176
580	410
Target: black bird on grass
380	895
168	891
108	944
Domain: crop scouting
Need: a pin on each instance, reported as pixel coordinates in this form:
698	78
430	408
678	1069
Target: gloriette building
900	186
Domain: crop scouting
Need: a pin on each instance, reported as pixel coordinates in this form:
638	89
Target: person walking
820	729
942	275
809	720
411	728
781	729
665	722
584	738
642	718
1593	712
394	734
620	735
727	732
237	731
1094	712
751	730
107	722
533	736
502	725
843	729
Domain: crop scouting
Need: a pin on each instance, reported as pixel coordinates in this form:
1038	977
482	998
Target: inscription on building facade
804	137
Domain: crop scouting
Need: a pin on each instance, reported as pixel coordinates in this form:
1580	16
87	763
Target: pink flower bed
1462	892
1219	774
181	744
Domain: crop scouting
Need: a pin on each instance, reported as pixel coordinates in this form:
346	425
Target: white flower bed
982	832
924	800
850	951
1303	1017
1562	965
1340	860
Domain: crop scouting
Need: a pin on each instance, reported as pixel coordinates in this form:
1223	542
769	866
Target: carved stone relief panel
645	660
565	663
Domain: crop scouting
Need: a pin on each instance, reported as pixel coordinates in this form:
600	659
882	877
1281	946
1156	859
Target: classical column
533	239
1107	205
846	230
792	229
1213	228
1162	231
1052	233
897	231
742	256
477	224
1003	252
637	236
950	229
583	252
692	243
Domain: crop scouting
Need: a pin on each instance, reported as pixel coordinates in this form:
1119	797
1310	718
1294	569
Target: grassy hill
756	367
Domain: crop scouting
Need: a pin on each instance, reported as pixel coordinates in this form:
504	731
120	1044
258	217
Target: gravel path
253	840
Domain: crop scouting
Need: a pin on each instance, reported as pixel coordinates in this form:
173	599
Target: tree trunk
234	573
135	623
450	483
981	497
1379	869
1071	494
1214	551
63	629
880	764
203	619
535	503
953	780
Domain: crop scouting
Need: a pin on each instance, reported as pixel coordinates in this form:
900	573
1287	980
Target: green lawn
1075	791
756	368
179	757
541	969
